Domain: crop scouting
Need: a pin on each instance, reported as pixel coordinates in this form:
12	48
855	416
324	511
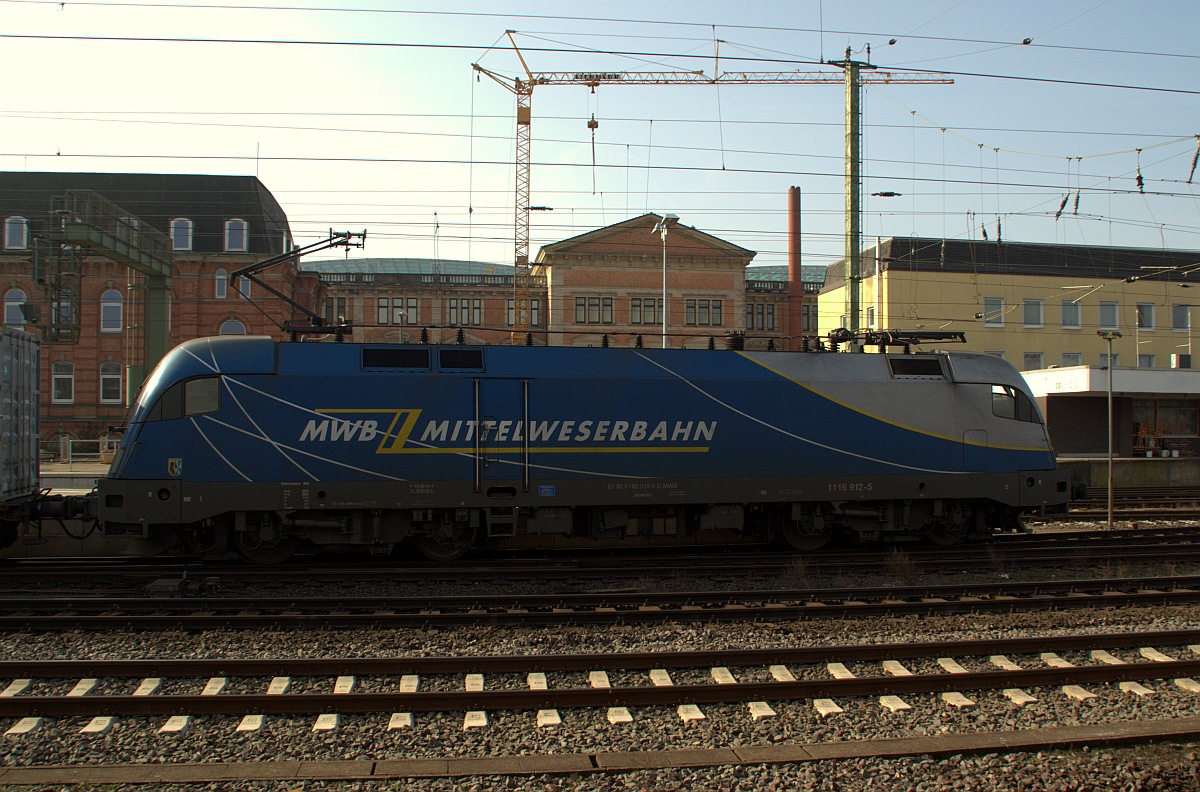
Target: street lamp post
667	221
1110	336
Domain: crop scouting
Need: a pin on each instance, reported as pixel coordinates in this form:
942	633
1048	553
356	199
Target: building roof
636	237
404	266
779	273
922	254
157	198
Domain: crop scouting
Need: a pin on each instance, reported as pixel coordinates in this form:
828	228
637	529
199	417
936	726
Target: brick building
111	270
601	286
74	270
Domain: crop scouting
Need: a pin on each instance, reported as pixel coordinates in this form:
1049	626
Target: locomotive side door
501	451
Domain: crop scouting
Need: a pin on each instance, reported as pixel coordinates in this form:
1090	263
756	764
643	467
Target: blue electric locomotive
249	445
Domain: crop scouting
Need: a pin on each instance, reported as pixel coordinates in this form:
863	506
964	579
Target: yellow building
1038	306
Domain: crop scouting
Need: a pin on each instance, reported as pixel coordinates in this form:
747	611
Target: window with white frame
808	317
62	382
220	284
16	233
237	236
181	233
761	316
14	308
232	327
993	311
397	311
1181	317
335	310
1109	315
112	306
1072	358
702	312
464	311
1032	312
593	310
645	310
1145	316
535	313
1031	361
1071	315
871	317
110	382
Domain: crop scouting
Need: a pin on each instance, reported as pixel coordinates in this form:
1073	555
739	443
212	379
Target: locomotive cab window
201	396
193	397
1008	402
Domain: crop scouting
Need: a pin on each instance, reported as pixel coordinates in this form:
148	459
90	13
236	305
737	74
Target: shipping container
19	390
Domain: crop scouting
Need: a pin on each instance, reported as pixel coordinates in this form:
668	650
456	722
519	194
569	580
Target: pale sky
371	117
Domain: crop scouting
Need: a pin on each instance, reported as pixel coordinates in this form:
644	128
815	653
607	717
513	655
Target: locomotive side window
1008	402
395	358
201	396
460	358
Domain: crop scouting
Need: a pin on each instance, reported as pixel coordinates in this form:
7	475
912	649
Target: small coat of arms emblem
175	466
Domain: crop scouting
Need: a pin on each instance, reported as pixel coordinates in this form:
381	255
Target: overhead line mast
852	77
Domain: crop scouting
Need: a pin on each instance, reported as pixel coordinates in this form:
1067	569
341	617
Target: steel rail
644	614
80	604
574	698
493	664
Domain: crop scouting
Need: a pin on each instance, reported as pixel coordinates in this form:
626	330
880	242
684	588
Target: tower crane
852	76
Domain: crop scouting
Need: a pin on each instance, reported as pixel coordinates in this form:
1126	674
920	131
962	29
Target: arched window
14	300
220	284
181	234
232	327
62	375
112	307
237	236
110	382
16	233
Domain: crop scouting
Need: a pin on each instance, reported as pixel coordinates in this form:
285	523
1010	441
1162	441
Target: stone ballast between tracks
364	738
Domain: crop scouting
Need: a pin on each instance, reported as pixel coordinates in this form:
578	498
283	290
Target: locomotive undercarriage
268	537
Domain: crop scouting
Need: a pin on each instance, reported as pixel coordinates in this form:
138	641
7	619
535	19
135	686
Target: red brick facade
195	311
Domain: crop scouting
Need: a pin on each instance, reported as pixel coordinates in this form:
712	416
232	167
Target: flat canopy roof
1093	381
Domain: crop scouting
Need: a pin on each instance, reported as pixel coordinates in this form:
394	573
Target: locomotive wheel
804	537
250	548
945	534
447	543
263	542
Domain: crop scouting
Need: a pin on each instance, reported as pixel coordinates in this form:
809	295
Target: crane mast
851	76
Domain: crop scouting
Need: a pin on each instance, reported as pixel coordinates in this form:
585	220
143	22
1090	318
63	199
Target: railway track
1043	548
609	607
933	681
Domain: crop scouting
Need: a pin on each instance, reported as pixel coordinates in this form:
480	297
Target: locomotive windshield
1008	402
190	397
